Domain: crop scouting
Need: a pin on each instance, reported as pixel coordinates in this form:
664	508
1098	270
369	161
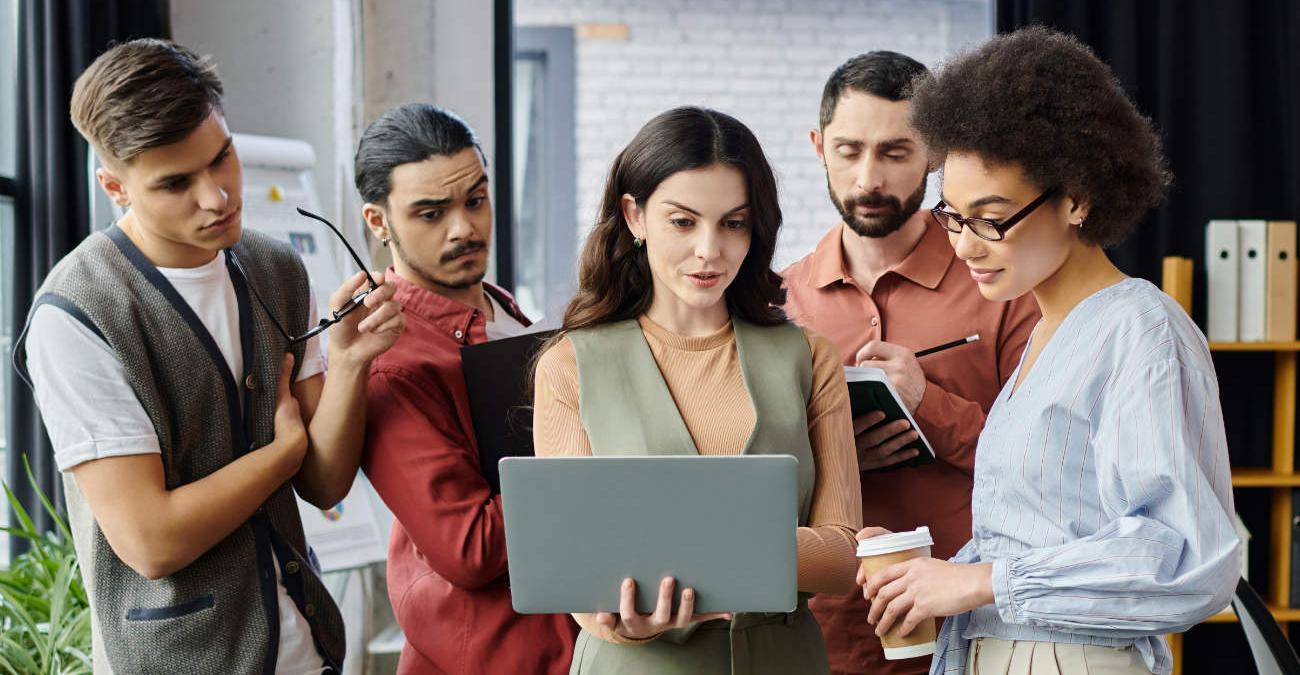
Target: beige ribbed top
704	377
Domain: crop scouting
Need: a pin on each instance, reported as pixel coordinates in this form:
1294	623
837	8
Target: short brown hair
143	94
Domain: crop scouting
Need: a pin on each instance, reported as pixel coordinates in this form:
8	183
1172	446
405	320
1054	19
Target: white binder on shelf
1221	255
1253	288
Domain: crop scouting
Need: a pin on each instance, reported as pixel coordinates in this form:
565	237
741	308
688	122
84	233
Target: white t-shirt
502	325
74	371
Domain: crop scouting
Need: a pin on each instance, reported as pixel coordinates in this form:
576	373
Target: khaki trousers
990	656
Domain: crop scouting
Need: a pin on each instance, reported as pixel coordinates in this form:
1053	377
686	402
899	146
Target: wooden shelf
1282	614
1280	478
1264	478
1255	346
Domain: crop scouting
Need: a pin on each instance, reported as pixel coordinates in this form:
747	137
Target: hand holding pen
882	445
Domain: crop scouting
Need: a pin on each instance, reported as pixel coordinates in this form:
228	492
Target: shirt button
291	567
875	321
309	611
250	383
460	334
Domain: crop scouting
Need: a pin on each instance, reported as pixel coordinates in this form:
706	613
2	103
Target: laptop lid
577	526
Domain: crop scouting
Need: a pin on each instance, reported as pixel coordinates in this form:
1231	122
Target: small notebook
870	389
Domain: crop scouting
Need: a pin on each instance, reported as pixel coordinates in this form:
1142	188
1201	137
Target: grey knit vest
219	614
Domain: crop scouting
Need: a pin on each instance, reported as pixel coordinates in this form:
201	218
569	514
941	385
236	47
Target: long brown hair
614	279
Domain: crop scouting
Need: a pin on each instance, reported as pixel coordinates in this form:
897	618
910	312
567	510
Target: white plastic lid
893	543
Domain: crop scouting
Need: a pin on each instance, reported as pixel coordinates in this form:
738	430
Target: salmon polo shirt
927	299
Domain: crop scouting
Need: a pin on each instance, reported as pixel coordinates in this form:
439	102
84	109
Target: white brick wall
762	61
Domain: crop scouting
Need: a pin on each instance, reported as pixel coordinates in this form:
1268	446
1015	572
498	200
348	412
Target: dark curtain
56	41
1221	82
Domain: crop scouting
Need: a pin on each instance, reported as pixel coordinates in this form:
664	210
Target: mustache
874	199
467	247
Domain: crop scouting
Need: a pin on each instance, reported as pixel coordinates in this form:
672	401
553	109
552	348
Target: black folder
497	378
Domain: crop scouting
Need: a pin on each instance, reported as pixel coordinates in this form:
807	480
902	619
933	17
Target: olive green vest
626	409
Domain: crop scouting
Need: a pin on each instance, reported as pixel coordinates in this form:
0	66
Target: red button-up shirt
447	553
927	299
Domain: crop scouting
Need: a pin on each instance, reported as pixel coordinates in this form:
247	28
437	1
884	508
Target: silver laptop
577	526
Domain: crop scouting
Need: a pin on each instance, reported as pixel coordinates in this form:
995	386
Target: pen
949	345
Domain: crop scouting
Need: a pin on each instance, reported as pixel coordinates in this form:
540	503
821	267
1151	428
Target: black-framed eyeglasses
335	315
990	230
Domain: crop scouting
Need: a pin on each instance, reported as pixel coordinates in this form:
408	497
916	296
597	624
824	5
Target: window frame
553	49
8	192
9	182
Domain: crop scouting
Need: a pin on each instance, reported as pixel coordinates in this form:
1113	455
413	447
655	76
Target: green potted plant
44	610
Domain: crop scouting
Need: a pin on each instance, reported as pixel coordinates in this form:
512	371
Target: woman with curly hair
673	345
1102	507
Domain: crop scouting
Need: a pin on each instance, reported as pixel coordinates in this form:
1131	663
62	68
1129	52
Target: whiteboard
278	180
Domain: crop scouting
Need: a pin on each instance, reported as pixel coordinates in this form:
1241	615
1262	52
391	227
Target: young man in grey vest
181	409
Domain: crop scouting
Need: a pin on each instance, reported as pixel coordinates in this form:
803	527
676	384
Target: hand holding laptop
629	624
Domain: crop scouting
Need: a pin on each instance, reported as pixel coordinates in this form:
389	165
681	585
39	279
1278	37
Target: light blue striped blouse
1103	494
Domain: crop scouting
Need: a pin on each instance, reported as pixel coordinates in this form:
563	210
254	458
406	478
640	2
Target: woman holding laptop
672	345
1102	507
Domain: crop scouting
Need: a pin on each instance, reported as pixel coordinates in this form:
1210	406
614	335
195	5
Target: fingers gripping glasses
336	315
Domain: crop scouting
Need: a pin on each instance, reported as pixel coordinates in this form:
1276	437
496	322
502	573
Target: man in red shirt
881	285
422	174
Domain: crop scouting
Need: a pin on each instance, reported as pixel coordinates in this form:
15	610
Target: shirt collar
925	265
929	261
827	265
447	314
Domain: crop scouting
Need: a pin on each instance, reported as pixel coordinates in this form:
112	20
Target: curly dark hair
1043	101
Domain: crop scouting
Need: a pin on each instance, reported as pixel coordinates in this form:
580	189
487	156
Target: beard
435	277
881	225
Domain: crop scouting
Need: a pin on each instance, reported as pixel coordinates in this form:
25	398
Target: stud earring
638	242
